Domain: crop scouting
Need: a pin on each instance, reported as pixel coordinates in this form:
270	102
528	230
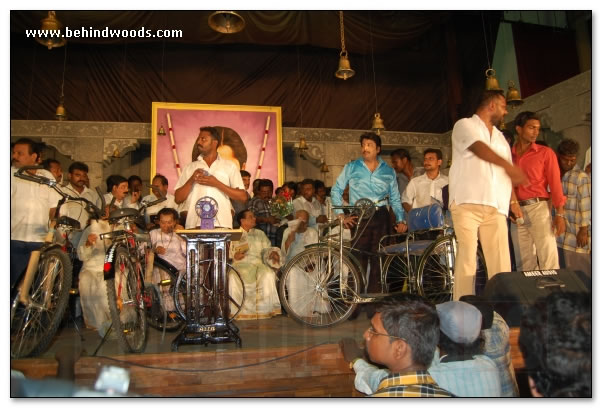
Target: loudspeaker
510	292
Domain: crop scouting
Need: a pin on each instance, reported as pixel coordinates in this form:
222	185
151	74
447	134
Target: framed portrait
250	136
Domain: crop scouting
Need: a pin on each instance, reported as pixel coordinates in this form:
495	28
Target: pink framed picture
250	136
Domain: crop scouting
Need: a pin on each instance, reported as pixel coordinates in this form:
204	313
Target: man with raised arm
212	176
481	179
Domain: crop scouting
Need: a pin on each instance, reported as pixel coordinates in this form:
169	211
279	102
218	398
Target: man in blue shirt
371	178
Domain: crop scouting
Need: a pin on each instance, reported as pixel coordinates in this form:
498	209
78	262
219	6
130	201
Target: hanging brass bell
324	168
226	22
491	81
61	112
513	97
161	131
51	25
378	124
344	71
302	144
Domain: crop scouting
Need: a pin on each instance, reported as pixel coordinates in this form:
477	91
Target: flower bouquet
281	206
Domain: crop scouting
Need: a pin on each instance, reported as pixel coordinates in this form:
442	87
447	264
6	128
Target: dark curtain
421	87
545	56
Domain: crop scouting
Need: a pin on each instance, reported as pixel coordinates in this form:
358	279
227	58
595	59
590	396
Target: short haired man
170	247
555	339
117	189
260	206
32	205
574	245
54	167
458	364
405	171
537	231
160	184
423	189
481	187
132	199
76	187
307	201
371	178
212	176
237	205
402	336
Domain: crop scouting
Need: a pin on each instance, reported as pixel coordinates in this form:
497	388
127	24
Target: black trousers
378	226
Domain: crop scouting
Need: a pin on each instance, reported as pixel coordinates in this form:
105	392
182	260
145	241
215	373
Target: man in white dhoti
300	283
252	255
92	285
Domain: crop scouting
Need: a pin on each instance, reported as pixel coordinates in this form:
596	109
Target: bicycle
321	286
42	294
127	265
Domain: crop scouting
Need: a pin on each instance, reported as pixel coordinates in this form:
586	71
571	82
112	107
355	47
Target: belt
533	200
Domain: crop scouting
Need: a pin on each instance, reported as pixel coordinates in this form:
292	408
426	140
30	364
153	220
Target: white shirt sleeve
368	377
464	134
409	193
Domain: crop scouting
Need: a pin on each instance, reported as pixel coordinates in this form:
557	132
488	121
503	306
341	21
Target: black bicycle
42	294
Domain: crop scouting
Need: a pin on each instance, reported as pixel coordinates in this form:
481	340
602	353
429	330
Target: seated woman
252	256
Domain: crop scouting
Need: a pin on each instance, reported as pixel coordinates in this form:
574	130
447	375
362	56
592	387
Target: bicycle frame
338	244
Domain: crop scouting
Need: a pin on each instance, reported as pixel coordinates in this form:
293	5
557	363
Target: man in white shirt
117	189
132	199
32	205
77	173
54	167
307	201
160	183
212	176
421	189
481	179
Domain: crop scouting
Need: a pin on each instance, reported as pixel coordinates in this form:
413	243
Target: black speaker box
510	292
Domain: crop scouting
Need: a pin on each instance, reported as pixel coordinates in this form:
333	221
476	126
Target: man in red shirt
534	239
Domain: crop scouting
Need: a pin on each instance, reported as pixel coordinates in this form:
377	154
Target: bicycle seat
68	221
415	247
121	213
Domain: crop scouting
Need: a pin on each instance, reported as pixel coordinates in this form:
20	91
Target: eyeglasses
372	332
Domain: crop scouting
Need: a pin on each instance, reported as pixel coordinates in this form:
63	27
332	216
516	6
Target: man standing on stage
537	231
371	178
212	176
481	179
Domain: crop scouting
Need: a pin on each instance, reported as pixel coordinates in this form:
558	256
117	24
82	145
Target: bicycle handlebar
43	180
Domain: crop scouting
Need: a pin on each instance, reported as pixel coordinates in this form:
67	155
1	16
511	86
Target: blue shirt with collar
374	185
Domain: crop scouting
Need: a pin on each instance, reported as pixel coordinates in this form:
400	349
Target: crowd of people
493	183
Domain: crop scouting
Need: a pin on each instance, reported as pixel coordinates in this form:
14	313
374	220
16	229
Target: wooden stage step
293	371
271	372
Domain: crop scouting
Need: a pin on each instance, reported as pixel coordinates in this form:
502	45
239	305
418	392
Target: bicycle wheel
126	303
436	270
160	309
205	268
34	325
312	295
398	274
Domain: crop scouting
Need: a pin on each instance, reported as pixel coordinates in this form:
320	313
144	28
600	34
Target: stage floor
274	332
278	357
